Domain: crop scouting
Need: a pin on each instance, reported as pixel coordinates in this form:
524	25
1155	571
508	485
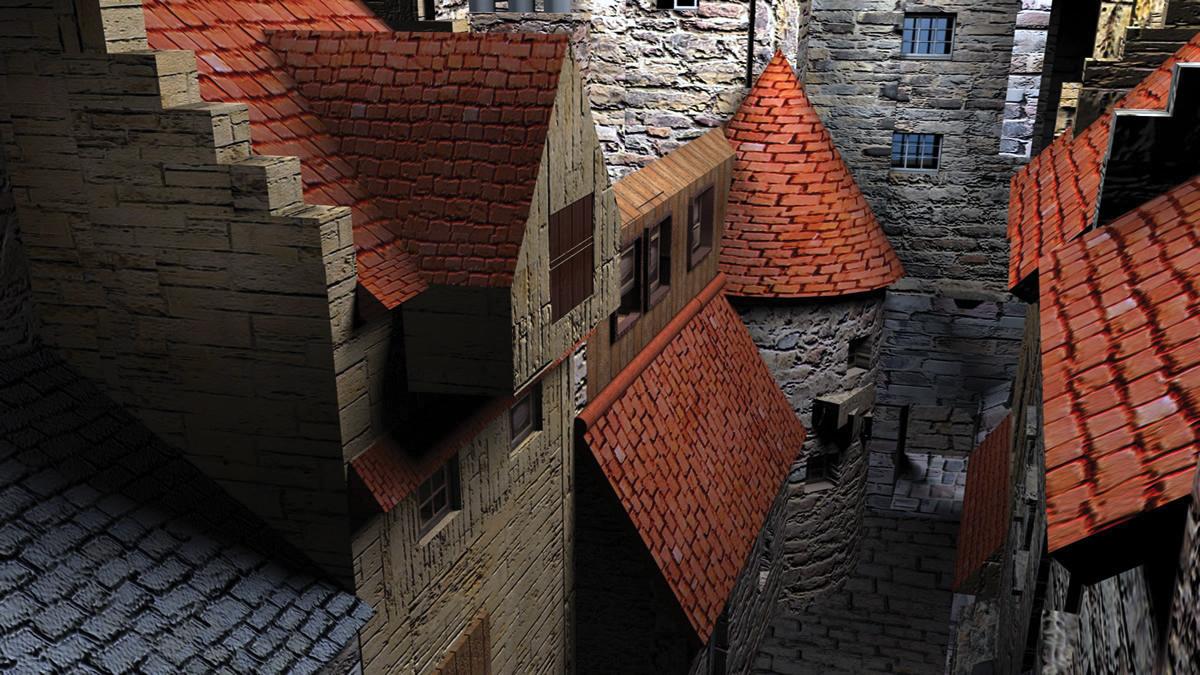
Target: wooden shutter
571	253
471	652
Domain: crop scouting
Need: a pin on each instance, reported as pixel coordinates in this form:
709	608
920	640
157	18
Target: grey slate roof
117	555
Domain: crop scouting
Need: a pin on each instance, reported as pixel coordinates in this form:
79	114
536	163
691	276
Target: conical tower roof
797	226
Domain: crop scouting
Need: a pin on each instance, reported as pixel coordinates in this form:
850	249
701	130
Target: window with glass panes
930	35
658	261
918	152
437	496
700	227
629	274
525	416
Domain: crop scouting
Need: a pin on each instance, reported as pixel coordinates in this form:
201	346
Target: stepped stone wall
172	266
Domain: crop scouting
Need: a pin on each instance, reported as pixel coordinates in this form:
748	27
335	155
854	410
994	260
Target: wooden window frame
572	256
914	36
441	493
532	398
623	319
700	227
658	284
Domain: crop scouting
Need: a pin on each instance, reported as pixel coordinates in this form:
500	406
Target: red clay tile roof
986	500
1120	312
695	439
408	230
392	471
798	226
1054	198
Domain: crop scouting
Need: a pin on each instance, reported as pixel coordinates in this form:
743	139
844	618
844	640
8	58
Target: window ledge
622	324
698	257
657	296
818	486
516	448
437	528
927	57
915	172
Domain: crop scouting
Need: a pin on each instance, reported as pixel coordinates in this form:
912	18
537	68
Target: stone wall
17	327
810	543
503	553
1025	79
183	274
658	78
946	349
944	224
1183	629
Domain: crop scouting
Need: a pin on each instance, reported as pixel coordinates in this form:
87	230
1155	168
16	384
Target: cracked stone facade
659	78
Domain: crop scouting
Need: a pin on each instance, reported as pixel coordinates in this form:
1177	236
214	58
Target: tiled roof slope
798	226
653	185
984	523
1054	198
116	555
1121	366
391	472
446	132
695	439
433	203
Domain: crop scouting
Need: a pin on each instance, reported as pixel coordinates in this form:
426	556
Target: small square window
928	35
700	227
658	262
823	471
438	496
860	352
677	4
916	152
525	416
629	269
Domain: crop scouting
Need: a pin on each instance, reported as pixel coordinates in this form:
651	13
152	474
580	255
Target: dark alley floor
893	615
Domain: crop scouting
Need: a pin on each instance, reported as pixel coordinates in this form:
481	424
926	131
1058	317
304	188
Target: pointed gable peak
798	225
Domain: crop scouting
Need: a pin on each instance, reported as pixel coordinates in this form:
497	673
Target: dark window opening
916	152
658	262
438	496
629	274
525	416
928	35
700	227
677	4
860	352
571	254
824	468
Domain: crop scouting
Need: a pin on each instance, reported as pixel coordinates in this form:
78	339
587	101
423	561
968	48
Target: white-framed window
678	4
928	36
438	496
916	152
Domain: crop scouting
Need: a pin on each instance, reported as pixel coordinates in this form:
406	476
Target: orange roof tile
324	80
1053	199
798	226
986	500
1121	366
695	439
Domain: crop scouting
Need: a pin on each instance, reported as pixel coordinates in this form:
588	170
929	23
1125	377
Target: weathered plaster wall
948	224
502	554
176	269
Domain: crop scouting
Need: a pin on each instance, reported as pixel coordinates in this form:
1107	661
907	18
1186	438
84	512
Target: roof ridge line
613	390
